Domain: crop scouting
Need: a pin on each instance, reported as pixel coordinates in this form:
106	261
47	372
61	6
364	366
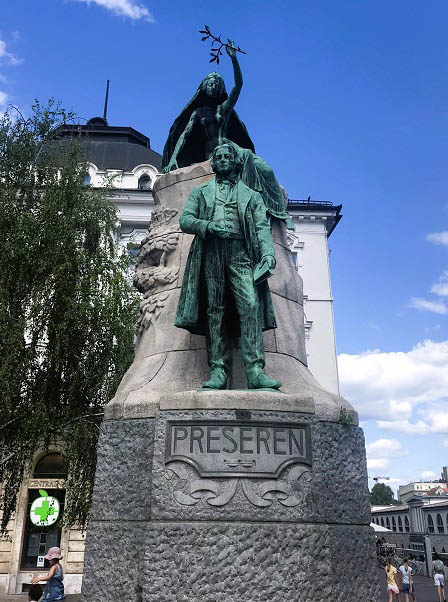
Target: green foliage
382	495
346	417
67	312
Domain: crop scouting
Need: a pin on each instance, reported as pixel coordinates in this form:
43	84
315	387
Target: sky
347	100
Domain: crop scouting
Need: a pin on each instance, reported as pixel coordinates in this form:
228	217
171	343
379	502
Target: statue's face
212	86
224	160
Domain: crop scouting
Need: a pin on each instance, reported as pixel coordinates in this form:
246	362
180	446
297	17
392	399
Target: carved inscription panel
238	448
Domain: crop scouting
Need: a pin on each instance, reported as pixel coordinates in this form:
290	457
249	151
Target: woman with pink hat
54	590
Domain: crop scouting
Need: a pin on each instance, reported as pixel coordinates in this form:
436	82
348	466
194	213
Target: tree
382	495
67	312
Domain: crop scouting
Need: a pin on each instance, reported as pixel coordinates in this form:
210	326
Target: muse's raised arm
228	104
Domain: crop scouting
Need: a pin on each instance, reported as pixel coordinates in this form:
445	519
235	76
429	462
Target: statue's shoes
217	380
262	381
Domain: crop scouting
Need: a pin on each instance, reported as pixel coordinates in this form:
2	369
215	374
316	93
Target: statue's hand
230	48
216	230
171	165
270	262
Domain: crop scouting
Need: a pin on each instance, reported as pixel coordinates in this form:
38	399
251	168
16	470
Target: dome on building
112	147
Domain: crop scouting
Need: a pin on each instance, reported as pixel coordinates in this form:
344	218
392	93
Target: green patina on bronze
219	298
210	119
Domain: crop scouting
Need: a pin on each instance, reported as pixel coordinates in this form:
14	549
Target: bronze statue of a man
220	298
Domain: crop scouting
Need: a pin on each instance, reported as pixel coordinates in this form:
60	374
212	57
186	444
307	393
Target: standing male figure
219	297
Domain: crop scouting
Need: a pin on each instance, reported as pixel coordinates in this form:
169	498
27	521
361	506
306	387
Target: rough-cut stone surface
113	562
268	562
123	473
198	549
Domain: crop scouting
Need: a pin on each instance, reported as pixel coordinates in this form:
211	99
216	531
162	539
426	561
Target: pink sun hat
53	553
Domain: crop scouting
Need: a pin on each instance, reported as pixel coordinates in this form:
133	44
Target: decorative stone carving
290	490
151	271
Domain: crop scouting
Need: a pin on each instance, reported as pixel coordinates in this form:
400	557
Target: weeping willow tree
67	312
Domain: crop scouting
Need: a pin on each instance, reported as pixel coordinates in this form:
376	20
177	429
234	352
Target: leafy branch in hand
216	51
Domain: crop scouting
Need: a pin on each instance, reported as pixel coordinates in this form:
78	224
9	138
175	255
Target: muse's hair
222	86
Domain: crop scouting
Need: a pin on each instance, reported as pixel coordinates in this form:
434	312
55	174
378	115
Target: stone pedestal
230	495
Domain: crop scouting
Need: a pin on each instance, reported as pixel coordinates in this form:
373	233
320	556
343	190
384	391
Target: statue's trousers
228	270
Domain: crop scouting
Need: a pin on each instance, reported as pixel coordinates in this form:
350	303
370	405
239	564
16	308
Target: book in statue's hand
262	272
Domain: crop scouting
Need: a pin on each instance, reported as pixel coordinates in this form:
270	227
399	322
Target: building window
37	539
51	466
87	180
400	524
406	524
440	527
430	524
144	182
394	524
382	521
387	522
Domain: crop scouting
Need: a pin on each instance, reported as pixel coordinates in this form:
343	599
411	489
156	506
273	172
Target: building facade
123	158
419	488
408	523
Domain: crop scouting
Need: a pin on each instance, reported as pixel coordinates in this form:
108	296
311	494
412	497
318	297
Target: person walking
54	590
408	585
392	587
35	593
439	578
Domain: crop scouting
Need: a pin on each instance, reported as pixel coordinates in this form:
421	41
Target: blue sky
348	101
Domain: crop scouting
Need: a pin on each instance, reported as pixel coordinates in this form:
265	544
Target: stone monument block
225	494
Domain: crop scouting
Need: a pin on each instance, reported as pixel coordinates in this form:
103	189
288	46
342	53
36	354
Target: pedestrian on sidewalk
35	593
406	576
439	578
392	587
54	590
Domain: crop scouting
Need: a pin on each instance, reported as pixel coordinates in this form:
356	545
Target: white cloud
124	8
385	448
3	99
438	238
441	287
4	54
380	453
377	463
438	419
428	475
437	307
435	420
404	426
390	386
445	442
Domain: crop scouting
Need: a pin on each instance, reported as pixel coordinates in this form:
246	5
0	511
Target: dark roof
307	205
111	147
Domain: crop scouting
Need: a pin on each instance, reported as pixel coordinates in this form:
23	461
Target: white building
419	488
314	221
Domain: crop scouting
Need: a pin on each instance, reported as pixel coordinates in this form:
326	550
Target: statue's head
213	85
226	160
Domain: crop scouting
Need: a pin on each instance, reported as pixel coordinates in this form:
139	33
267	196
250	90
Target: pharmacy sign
44	510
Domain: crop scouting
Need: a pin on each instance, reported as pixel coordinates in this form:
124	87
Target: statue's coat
198	212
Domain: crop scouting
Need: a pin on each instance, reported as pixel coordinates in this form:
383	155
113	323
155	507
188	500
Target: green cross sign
44	510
